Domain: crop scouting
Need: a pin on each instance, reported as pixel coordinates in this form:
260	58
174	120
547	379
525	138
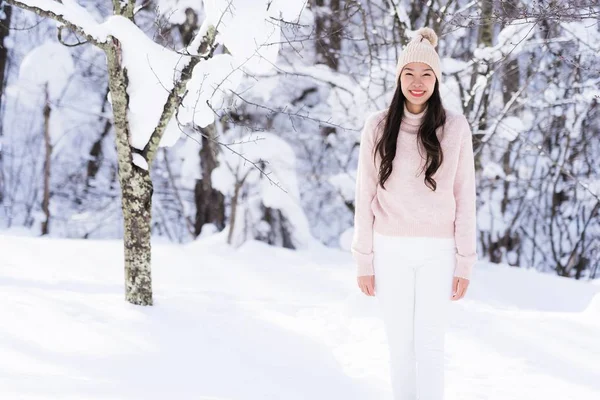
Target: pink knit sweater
407	207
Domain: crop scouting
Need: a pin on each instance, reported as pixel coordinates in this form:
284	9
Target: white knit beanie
421	49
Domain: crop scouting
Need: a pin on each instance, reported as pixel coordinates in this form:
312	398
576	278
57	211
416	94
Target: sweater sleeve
366	186
465	226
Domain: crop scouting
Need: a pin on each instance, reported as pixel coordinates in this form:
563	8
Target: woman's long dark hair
434	117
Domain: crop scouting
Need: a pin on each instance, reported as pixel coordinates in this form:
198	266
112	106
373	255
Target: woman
414	228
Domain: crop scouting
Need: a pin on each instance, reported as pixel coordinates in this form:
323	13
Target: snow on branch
68	13
158	82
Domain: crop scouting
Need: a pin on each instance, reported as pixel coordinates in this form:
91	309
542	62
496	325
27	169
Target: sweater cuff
464	266
364	263
365	269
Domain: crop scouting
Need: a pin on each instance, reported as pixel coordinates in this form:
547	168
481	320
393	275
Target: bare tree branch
59	12
205	52
291	114
61	40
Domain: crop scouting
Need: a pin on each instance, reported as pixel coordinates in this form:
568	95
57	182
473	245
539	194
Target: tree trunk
188	29
484	39
511	71
47	159
509	241
4	32
486	33
210	203
486	29
328	44
280	233
96	155
136	191
234	203
328	31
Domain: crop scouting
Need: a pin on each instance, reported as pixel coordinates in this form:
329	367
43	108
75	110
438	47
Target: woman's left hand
459	288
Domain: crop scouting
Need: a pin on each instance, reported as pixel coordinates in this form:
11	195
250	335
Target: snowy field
268	323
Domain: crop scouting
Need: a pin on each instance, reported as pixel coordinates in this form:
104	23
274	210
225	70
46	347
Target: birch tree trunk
136	189
136	184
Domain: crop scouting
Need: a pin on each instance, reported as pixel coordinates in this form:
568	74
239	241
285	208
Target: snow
290	11
452	66
510	128
212	81
252	47
492	170
172	133
510	40
174	10
150	82
55	70
190	169
346	237
345	185
38	81
258	46
279	324
594	187
71	11
151	70
581	31
277	159
550	94
450	92
525	172
322	73
401	13
483	53
489	215
140	161
56	128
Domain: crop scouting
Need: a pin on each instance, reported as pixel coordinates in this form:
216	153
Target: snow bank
281	324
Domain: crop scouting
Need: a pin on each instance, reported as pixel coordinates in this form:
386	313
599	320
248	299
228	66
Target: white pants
413	285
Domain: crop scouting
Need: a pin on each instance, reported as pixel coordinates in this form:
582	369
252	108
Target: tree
136	68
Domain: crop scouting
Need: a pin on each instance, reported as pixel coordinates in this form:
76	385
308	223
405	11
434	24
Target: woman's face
417	81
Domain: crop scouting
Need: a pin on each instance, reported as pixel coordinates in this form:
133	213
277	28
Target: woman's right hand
366	283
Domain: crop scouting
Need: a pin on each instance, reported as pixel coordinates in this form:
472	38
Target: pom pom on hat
429	34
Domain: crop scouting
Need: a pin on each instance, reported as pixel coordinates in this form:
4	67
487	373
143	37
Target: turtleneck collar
412	116
412	121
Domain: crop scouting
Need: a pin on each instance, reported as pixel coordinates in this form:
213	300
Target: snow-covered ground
268	323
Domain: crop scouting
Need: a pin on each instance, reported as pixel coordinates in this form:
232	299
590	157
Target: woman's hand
459	288
366	283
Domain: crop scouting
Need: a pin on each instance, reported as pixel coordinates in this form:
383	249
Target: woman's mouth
417	93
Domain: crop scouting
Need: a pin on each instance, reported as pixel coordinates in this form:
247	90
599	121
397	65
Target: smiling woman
414	226
417	82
